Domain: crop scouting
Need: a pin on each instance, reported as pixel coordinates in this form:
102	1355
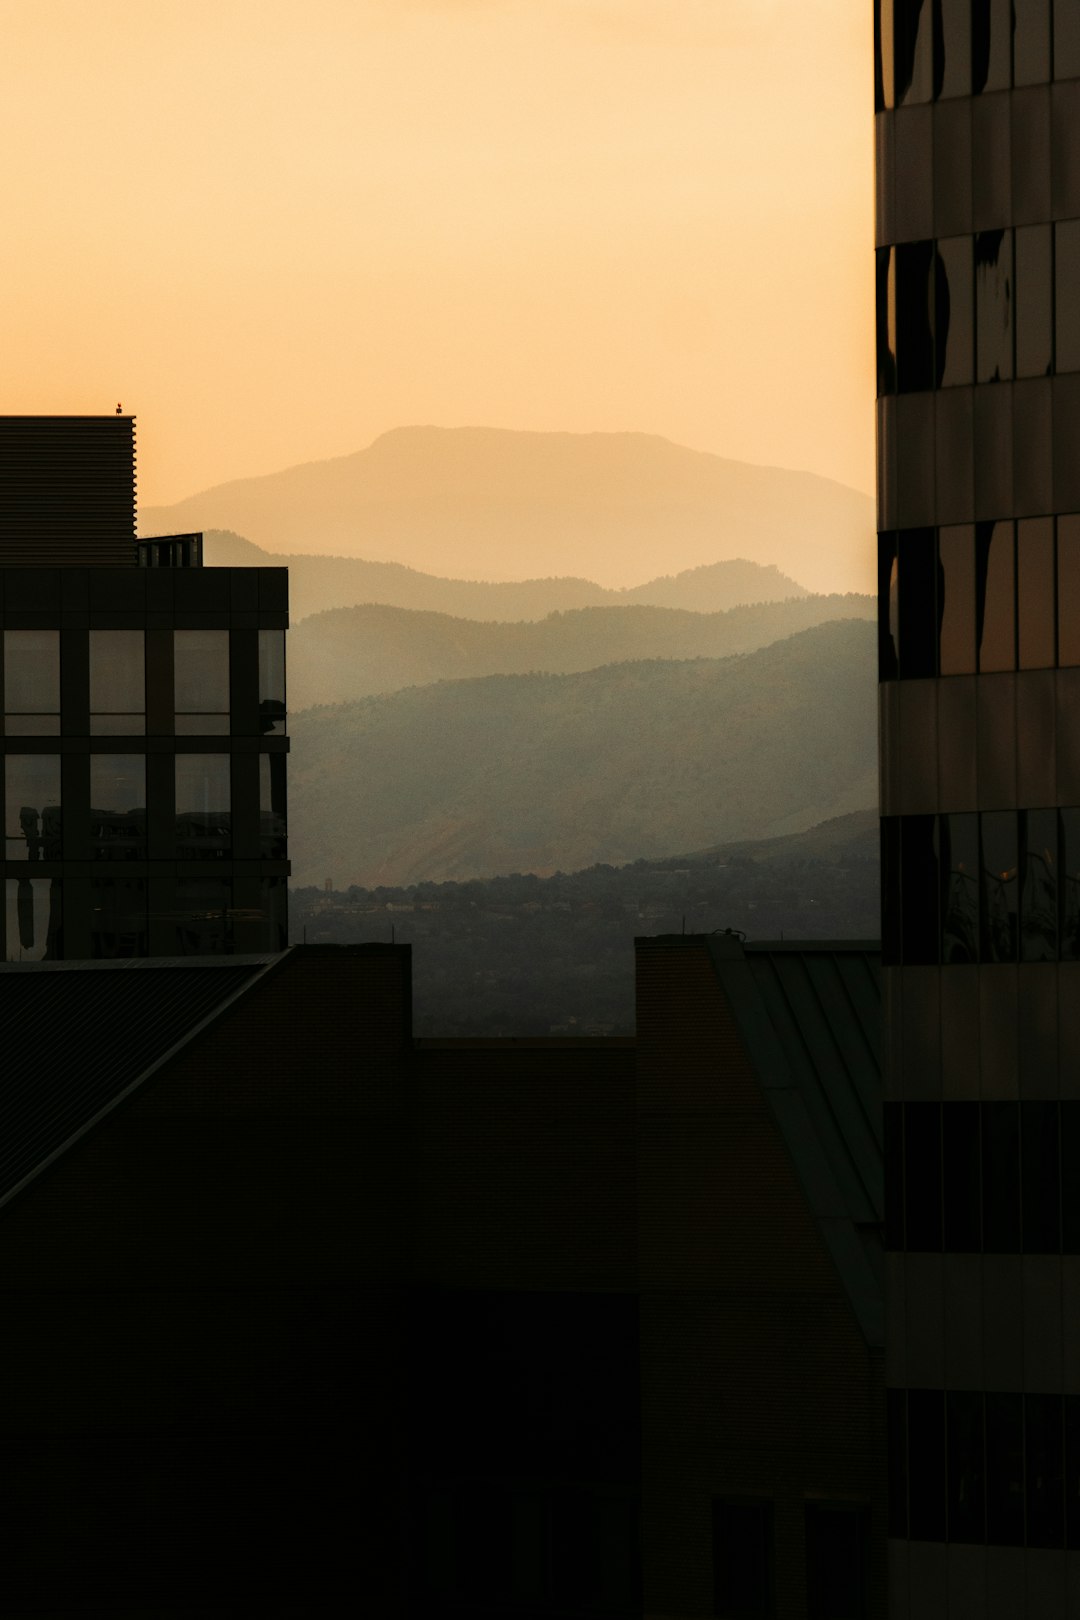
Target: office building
143	712
978	323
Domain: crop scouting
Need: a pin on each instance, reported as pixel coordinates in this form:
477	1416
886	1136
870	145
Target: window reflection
993	306
1066	44
117	682
1034	334
203	806
32	682
956	601
1000	908
991	44
1035	592
954	312
914	330
912	58
118	920
917	551
888	627
272	806
886	321
1039	894
202	681
272	681
995	596
1068	585
1070	885
118	806
33	920
1067	301
883	55
32	807
204	919
960	901
1031	41
953	25
275	929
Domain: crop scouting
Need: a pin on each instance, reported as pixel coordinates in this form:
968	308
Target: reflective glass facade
978	346
142	755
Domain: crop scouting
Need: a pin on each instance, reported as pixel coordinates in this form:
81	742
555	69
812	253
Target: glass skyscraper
978	345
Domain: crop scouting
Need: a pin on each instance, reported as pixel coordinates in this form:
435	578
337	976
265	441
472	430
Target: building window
117	683
32	683
836	1561
118	807
272	682
272	807
33	920
201	665
204	917
743	1558
203	807
32	807
118	926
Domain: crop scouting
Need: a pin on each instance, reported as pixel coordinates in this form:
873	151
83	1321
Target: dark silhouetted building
143	709
305	1317
978	325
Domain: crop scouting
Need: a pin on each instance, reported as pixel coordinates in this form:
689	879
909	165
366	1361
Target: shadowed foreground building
978	231
305	1316
143	712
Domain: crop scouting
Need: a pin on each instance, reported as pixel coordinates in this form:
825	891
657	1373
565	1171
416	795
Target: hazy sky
275	230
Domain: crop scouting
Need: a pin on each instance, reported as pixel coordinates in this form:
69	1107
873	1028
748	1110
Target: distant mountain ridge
493	504
319	583
545	772
351	653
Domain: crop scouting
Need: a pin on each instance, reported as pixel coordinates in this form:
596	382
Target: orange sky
276	230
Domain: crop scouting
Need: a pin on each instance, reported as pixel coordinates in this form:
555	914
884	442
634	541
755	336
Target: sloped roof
809	1014
77	1037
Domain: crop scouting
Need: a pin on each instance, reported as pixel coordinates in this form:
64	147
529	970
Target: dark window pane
204	918
886	322
272	806
1031	41
1035	592
888	606
991	44
1072	1471
967	1470
203	806
32	682
960	877
1000	871
1001	1177
118	806
1069	878
32	807
1044	1470
926	1464
954	46
917	574
742	1557
1040	1177
275	921
922	1175
894	1175
118	925
1039	894
891	916
202	680
961	1177
117	682
919	889
995	596
1034	326
913	65
954	312
956	600
33	920
993	306
896	1451
1068	591
272	681
1070	1178
914	330
1067	295
1066	42
836	1564
1004	1471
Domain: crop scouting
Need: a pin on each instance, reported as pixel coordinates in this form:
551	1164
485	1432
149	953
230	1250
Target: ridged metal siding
67	491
